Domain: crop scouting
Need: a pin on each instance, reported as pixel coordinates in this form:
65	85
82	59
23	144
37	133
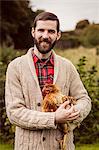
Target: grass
75	54
88	147
5	146
78	147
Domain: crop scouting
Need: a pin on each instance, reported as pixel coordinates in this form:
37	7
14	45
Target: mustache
45	40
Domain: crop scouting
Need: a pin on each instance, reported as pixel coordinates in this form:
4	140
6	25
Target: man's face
45	35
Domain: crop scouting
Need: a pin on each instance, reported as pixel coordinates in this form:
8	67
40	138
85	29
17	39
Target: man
26	76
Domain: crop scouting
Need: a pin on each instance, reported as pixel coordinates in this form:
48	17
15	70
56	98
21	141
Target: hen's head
49	88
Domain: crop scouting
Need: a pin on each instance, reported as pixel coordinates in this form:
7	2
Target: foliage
17	18
4	146
15	27
6	129
89	129
85	34
68	40
88	147
90	36
82	24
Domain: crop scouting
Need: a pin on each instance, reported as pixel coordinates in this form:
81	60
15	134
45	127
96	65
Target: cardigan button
38	104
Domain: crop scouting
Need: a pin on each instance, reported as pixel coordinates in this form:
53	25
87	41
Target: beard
44	46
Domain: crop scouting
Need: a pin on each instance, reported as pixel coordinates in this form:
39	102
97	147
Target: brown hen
52	99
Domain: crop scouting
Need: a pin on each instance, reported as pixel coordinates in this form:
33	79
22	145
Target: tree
90	36
82	24
16	19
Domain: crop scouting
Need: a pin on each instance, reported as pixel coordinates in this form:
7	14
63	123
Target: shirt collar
49	59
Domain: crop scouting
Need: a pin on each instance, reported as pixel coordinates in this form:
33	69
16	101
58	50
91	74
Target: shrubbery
6	129
90	36
89	129
85	34
82	24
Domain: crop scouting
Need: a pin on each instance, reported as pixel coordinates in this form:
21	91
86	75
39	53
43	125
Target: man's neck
40	55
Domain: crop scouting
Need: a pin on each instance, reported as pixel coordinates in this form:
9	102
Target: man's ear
32	32
58	35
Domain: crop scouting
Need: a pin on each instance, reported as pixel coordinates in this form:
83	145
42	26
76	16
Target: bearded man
25	78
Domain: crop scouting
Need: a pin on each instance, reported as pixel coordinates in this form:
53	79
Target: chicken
52	99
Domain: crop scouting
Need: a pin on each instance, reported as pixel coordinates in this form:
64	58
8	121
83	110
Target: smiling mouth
45	43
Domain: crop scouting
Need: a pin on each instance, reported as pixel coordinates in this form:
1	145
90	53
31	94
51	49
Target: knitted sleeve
78	91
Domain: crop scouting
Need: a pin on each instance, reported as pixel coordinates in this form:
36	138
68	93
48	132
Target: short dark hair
47	16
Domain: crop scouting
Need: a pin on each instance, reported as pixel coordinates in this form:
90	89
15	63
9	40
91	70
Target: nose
45	34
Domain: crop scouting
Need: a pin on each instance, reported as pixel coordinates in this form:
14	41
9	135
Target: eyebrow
49	30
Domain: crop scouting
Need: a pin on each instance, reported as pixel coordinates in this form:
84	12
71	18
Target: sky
69	12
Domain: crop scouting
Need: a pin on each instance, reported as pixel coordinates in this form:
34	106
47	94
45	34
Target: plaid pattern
44	69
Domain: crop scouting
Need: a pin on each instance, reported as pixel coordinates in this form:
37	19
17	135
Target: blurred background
79	24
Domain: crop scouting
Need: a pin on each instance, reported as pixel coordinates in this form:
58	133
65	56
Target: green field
88	147
6	147
75	54
80	147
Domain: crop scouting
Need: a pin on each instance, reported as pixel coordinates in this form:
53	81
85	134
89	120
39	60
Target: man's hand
66	113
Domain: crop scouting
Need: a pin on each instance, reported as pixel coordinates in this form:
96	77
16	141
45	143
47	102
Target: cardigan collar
32	66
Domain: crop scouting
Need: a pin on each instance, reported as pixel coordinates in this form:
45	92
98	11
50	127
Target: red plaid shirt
44	69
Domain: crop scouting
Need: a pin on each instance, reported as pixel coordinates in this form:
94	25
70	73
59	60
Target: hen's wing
49	103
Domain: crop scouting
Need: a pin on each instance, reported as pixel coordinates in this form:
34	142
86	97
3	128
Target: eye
51	31
41	30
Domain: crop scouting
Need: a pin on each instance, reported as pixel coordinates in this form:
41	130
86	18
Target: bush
90	36
6	129
82	24
89	129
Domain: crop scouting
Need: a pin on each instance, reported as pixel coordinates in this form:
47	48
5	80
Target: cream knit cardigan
35	130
